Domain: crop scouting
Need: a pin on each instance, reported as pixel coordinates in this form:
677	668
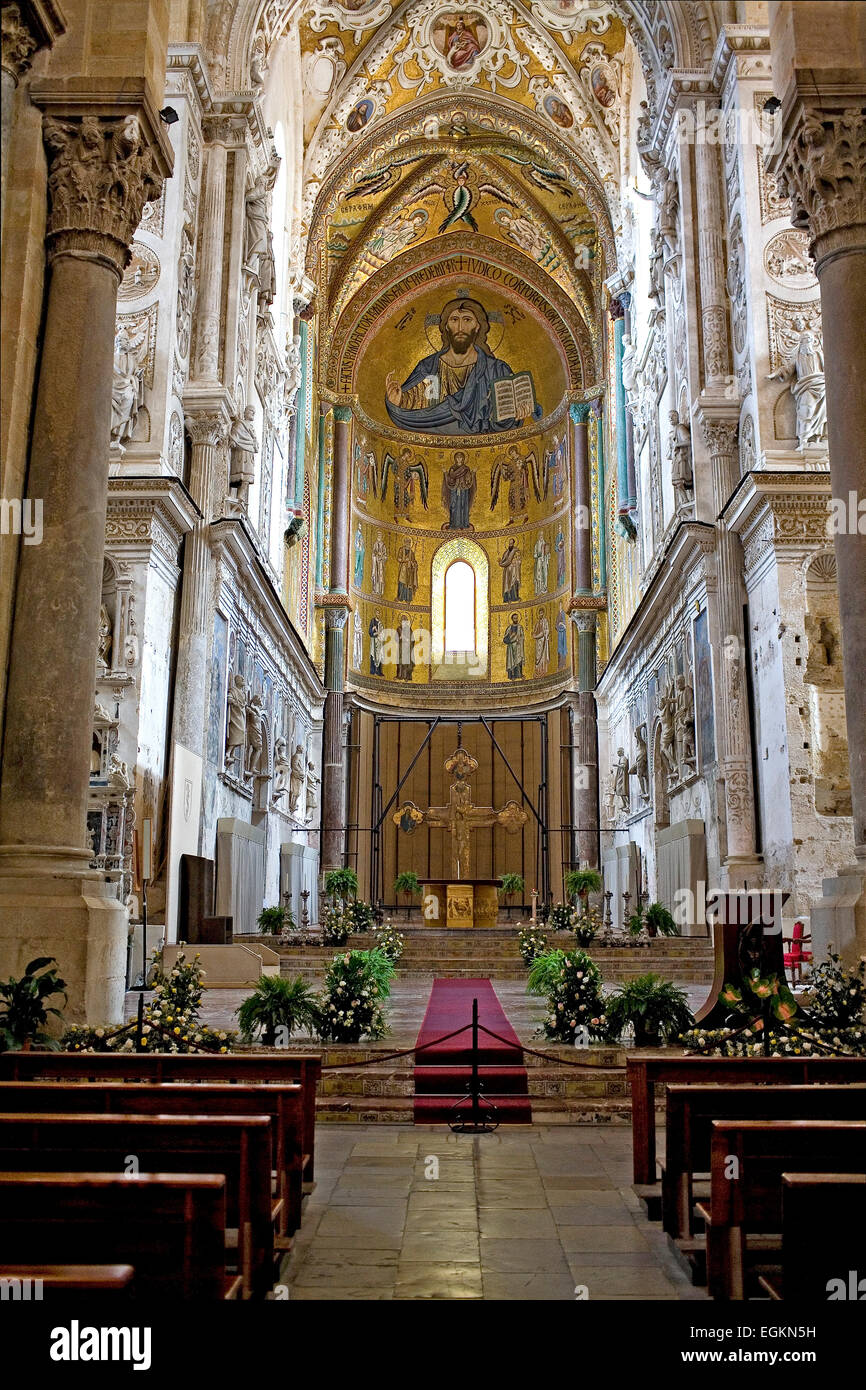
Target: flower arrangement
572	985
532	940
562	917
171	1020
351	999
765	1019
587	924
361	915
336	925
836	995
389	941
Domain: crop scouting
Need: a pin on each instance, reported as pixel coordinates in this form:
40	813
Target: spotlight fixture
169	116
771	105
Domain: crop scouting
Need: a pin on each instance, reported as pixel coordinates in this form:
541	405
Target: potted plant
271	920
659	921
562	917
654	1007
278	1004
361	915
341	884
509	885
23	1011
579	883
571	983
409	884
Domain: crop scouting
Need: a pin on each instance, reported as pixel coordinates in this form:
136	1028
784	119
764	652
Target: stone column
630	475
711	262
101	171
333	798
584	739
820	161
340	500
741	861
208	428
337	613
598	416
582	498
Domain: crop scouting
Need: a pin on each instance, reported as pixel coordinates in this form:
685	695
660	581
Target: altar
467	903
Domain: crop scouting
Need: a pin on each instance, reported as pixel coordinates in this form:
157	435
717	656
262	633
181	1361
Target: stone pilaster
212	237
208	428
333	762
584	740
819	161
711	263
102	168
741	861
26	26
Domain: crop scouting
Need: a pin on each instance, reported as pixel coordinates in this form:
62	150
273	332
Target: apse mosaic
503	513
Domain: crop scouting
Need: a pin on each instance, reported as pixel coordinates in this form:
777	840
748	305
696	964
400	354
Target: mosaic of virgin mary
451	391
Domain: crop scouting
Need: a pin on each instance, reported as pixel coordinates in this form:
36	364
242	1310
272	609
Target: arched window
459	584
460	607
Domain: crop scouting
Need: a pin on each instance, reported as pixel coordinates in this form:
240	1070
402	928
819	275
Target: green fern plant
659	921
409	884
654	1007
278	1004
341	883
579	883
509	884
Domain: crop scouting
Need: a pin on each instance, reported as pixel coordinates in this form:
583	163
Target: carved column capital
208	429
26	27
720	437
819	162
102	169
579	412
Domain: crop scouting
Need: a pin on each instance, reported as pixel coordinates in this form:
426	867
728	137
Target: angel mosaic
409	473
520	473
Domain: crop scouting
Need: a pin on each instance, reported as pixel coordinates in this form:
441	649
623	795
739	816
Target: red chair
796	957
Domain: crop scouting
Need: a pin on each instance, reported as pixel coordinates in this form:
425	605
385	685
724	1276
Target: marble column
741	861
337	613
584	739
582	498
101	171
820	161
617	313
598	416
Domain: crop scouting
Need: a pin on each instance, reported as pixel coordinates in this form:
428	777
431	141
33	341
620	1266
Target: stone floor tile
586	1238
528	1285
510	1255
457	1247
442	1280
500	1223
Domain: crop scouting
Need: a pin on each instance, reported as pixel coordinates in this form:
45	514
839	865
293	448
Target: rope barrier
408	1051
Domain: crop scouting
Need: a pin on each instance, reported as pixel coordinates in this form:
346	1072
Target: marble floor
540	1213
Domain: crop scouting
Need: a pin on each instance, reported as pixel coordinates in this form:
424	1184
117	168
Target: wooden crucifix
460	817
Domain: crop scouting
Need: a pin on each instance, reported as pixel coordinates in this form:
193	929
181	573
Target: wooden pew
248	1067
749	1204
660	1068
237	1147
284	1104
823	1221
690	1110
29	1283
169	1226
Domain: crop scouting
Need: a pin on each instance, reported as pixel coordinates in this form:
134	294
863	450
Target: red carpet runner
442	1072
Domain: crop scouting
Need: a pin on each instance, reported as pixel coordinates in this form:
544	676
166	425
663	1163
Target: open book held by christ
514	397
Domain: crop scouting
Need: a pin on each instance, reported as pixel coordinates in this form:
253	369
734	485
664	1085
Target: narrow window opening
460	607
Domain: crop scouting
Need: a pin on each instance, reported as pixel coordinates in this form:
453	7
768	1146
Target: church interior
432	635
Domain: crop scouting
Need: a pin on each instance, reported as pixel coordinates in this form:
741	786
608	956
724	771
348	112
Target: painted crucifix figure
460	817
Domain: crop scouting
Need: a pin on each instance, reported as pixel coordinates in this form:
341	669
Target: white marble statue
681	460
127	390
244	447
640	768
236	717
312	790
297	777
804	368
282	768
620	779
667	717
255	720
684	716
